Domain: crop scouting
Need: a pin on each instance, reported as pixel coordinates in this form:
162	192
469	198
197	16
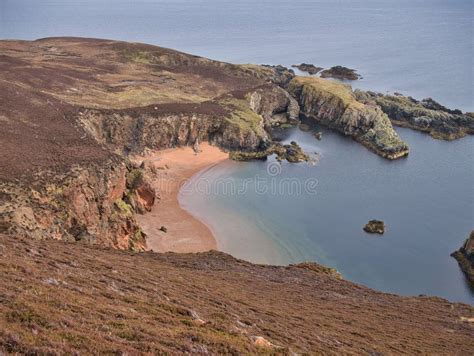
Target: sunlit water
418	47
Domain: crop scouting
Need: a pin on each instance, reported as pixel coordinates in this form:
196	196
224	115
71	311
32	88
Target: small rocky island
465	257
340	72
375	227
308	68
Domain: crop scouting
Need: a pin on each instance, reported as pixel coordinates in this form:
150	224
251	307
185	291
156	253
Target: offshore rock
340	72
292	153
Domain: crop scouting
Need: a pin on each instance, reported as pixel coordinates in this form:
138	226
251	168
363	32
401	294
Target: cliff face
275	105
426	115
129	132
336	106
86	205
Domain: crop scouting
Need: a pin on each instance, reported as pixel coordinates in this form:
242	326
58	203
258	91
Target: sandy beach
173	168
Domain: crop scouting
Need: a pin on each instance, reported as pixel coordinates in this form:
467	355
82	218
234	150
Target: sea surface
422	48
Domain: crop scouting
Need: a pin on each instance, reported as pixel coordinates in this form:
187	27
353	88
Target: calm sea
418	47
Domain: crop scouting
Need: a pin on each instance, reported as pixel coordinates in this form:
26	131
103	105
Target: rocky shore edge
465	258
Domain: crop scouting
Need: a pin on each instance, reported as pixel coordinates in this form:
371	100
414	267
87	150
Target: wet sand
173	168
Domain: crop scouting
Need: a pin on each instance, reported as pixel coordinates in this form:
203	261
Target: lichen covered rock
335	105
340	72
426	115
292	153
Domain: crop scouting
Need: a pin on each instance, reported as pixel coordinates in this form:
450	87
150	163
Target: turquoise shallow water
417	47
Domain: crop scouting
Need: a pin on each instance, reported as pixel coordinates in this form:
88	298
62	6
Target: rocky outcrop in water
340	72
308	68
335	105
465	257
375	227
426	115
292	153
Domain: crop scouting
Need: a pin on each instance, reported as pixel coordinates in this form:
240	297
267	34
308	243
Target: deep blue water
418	47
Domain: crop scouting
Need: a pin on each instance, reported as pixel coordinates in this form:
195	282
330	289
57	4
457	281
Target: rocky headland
335	105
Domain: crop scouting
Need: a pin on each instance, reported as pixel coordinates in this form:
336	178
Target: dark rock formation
308	68
340	72
86	104
465	257
426	115
275	105
375	227
335	105
88	205
292	153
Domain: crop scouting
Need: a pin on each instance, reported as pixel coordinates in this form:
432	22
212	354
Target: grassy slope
56	296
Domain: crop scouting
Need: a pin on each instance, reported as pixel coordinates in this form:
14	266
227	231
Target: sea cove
426	200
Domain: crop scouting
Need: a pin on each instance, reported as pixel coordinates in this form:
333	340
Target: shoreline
171	168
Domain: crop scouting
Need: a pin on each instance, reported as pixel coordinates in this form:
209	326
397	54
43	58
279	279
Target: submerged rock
465	257
340	72
426	115
308	68
375	227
